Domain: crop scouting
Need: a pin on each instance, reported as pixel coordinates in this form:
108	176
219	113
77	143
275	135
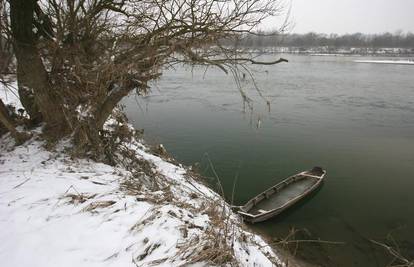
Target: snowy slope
59	211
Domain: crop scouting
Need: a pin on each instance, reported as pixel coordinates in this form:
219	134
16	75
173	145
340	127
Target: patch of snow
397	62
83	112
9	94
326	55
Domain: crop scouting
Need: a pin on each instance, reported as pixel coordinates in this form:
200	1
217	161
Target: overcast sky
349	16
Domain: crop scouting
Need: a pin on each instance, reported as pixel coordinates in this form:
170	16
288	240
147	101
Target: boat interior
282	193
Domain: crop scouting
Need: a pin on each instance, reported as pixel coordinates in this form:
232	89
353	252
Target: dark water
355	120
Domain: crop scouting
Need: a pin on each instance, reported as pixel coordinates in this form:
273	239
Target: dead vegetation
294	247
292	242
215	244
98	205
80	198
393	249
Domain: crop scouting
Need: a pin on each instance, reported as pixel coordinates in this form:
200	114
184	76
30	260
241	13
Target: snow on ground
326	55
60	211
398	62
56	211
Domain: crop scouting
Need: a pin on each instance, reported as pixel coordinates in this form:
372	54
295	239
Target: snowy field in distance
397	62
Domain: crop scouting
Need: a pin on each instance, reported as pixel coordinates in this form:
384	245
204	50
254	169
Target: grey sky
349	16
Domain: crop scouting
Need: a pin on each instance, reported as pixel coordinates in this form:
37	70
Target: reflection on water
355	120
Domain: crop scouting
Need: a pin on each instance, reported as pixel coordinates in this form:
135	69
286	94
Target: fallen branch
280	60
403	262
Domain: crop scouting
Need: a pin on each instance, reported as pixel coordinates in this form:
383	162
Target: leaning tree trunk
31	73
87	135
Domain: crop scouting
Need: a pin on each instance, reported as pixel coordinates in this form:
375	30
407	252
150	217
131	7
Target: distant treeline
357	40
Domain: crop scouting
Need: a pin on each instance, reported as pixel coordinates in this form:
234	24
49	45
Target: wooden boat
282	195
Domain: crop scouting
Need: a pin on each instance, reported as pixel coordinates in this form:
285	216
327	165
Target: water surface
355	120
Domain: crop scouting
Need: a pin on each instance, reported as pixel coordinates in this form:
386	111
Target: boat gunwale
287	204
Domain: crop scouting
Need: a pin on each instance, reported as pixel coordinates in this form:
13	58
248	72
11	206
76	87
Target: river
356	120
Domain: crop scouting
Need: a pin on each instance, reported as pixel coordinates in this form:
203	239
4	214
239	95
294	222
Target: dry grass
98	205
215	244
79	198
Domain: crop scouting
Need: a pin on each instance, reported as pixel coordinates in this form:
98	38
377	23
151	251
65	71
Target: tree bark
27	99
111	101
31	73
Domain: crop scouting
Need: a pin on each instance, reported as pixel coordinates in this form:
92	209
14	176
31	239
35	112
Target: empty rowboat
282	195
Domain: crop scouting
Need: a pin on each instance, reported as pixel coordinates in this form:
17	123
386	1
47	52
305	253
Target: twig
22	183
215	174
64	194
234	184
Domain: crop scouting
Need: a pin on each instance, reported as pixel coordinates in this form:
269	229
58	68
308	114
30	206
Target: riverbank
330	51
59	210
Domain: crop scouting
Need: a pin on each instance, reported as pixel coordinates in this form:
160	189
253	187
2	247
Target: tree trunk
111	101
31	73
27	99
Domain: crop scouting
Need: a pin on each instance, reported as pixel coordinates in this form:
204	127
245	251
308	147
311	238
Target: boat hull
282	196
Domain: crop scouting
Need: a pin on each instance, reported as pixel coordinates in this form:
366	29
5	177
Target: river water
356	120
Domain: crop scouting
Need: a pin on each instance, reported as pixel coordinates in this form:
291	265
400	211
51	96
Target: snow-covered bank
397	62
60	211
56	211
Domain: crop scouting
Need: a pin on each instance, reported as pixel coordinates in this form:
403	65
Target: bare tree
79	58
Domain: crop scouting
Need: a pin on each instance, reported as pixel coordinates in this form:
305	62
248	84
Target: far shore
328	51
